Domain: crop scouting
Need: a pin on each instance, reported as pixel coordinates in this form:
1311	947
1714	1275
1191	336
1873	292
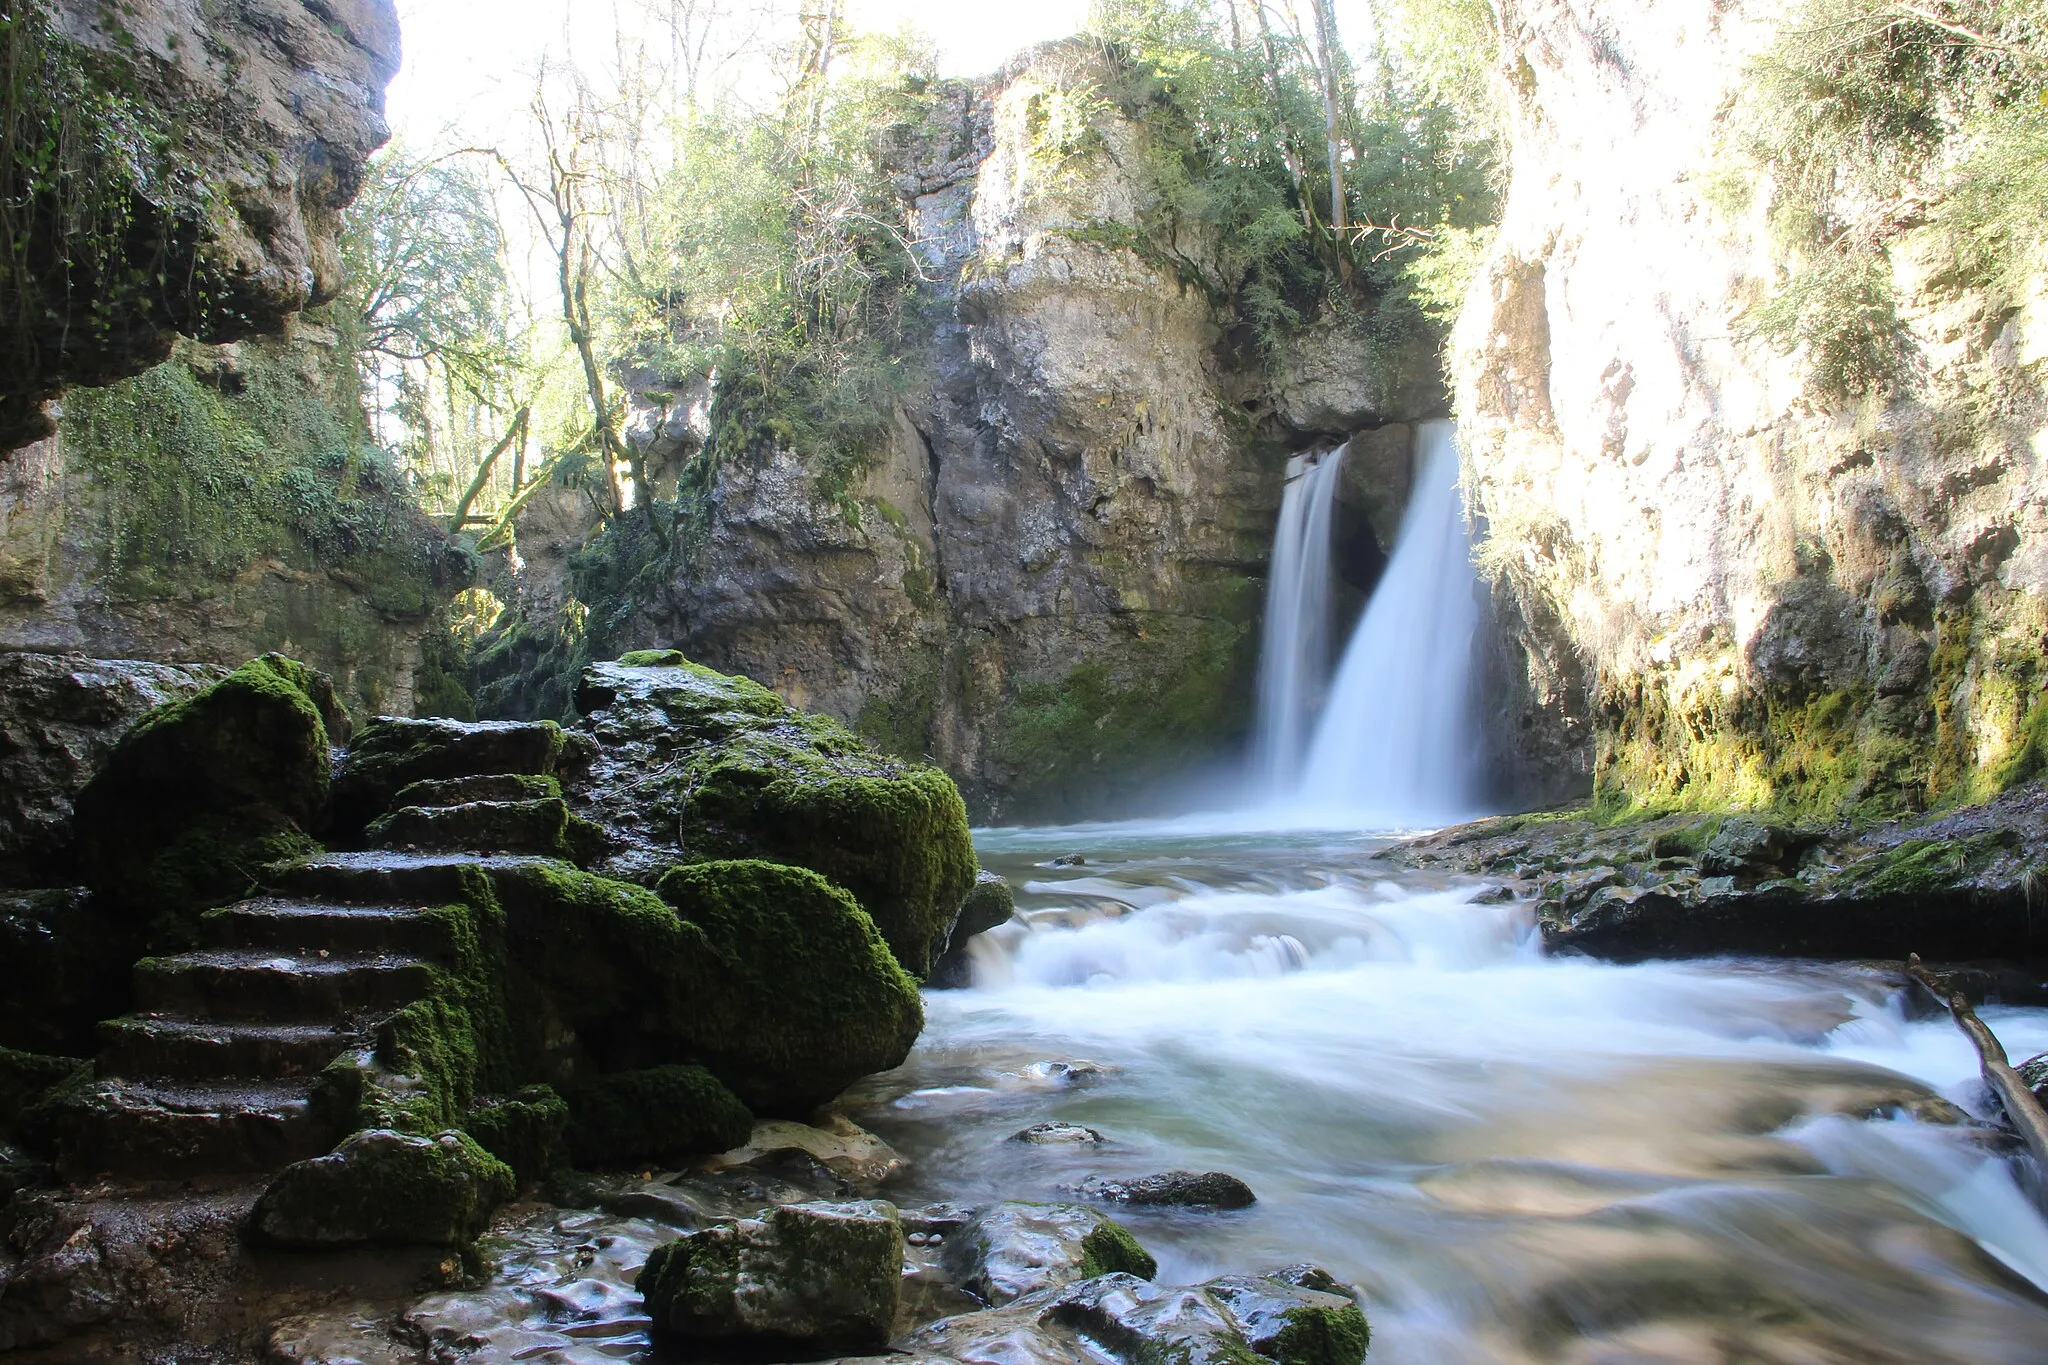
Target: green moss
804	996
1110	727
489	787
1109	1247
1687	841
1923	867
204	792
534	826
386	1187
1317	1335
654	658
652	1115
25	1077
523	1130
393	754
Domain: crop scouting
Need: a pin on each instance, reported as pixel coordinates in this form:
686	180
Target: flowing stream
1517	1159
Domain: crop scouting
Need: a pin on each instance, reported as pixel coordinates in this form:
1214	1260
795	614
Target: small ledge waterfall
1395	744
1294	659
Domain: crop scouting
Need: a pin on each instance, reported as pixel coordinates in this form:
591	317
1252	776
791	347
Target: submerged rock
1297	1316
1009	1250
809	1280
695	765
835	1142
1056	1134
382	1186
1186	1189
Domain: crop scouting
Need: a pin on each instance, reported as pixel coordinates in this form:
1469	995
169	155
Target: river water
1517	1159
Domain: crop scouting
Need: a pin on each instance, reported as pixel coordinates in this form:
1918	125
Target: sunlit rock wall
1050	579
1713	590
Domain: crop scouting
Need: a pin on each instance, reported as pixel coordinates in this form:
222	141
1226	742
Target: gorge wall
207	503
177	169
1716	589
1049	578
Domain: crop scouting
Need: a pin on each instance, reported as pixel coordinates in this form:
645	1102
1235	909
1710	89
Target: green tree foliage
1877	117
427	310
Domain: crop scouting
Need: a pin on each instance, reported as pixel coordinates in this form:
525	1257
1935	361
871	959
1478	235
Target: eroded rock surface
246	130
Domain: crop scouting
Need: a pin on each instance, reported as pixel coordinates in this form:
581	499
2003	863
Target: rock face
1715	588
267	114
303	540
1049	579
60	717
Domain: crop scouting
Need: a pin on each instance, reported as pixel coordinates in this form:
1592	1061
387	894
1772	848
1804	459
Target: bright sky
469	63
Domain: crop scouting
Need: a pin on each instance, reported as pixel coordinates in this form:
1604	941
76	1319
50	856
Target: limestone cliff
1049	578
226	503
1716	588
174	168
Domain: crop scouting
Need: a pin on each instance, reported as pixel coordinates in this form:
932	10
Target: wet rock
1056	1134
523	1130
1009	1250
835	1142
1298	1316
810	1280
193	802
989	904
1183	1189
68	958
382	1186
699	765
2034	1071
1746	846
394	753
60	717
936	1220
1068	860
653	1114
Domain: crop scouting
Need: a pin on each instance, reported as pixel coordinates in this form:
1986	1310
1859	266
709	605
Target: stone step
308	926
144	1046
460	791
164	1130
390	877
485	826
252	984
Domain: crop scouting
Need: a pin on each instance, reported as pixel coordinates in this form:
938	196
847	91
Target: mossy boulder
803	1281
721	768
768	975
523	1130
382	1187
205	792
657	1114
26	1077
805	997
989	904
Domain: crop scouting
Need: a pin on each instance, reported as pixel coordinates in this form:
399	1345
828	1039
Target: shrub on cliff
204	792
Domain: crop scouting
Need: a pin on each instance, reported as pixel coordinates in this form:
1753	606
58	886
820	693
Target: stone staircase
214	1074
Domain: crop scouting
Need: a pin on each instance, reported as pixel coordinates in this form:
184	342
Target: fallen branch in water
2027	1116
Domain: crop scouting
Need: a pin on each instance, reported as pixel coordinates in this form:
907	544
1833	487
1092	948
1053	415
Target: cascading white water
1294	662
1396	744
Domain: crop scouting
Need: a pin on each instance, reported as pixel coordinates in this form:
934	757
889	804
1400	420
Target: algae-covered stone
658	1113
523	1130
1299	1315
1009	1250
26	1077
805	999
385	1187
989	904
205	792
715	767
802	1281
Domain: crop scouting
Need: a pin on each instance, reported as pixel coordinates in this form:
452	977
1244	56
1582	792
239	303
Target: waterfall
1294	659
1397	743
